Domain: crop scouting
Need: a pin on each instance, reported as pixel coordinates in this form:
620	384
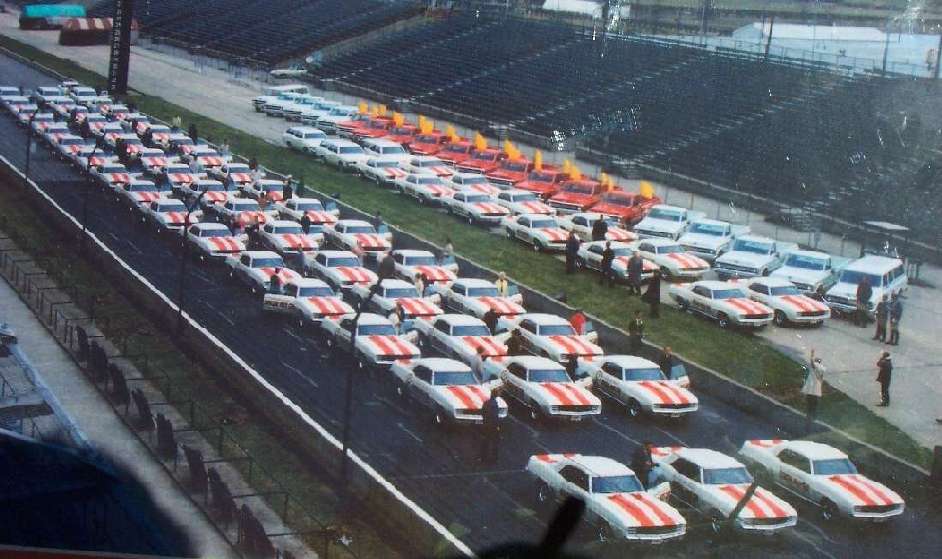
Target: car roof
715	284
468	176
306	129
758	238
518	192
353	222
600	466
630	361
337	253
460	319
474	282
707	458
210	224
308	282
810	253
393	283
285	222
341	143
873	263
814	450
372	318
708	221
425	158
412	252
534	362
383	159
657	241
668	207
544	318
441	364
262	254
382	142
771	281
302	200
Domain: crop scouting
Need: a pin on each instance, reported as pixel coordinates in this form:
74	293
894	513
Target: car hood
648	224
564	394
743	306
763	503
858	490
387	346
801	275
465	397
637	510
328	306
701	240
661	392
746	259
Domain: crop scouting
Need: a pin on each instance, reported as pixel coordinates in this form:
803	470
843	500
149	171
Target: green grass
747	359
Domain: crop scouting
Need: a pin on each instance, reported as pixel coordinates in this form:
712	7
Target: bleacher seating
264	31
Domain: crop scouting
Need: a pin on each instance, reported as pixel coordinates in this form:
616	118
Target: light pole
184	254
88	189
29	144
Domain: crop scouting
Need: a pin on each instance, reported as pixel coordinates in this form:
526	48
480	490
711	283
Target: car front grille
876	508
692	248
759	316
812	313
840	300
735	268
655	530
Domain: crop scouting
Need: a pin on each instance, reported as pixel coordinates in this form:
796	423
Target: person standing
176	123
490	435
642	462
420	284
882	314
286	190
812	389
666	362
577	321
224	149
447	251
378	222
490	319
635	269
636	333
306	223
193	134
599	230
387	267
864	292
572	366
896	313
884	376
608	256
653	295
502	285
572	249
515	343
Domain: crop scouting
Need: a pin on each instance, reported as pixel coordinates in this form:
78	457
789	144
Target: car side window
195	230
269	228
612	369
399	258
687	469
291	290
458	289
575	476
423	373
758	288
320	259
795	460
702	291
443	327
596	249
579	220
246	259
517	370
347	324
523	221
528	325
646	247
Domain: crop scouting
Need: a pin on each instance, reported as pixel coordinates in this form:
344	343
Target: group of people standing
887	314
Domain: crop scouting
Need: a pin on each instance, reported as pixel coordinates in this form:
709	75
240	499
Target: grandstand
262	31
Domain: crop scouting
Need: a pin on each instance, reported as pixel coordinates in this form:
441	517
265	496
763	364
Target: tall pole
29	144
886	44
119	64
938	55
768	40
184	256
88	189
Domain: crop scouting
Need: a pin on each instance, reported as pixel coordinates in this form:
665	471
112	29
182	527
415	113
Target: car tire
580	264
438	418
400	390
665	273
329	342
683	305
780	319
765	273
510	234
604	534
634	409
723	321
717	523
536	414
544	495
829	510
471	220
536	247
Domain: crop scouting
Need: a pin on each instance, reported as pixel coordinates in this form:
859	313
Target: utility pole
119	65
768	40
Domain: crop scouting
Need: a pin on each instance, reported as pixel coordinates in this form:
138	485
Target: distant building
789	31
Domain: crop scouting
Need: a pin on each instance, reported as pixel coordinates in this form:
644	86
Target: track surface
440	469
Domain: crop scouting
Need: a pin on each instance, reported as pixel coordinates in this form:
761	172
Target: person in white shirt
812	388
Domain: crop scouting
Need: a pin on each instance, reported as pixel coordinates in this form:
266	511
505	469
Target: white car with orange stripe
168	213
640	385
426	188
477	296
714	483
752	255
461	337
377	344
382	170
475	207
789	305
410	263
214	240
617	503
216	193
446	388
154	165
393	293
428	164
590	256
339	268
543	387
583	222
552	336
472	182
295	208
671	258
287	237
140	192
239	212
524	202
357	236
69	146
541	232
307	300
232	173
825	476
178	176
272	189
256	268
111	174
725	302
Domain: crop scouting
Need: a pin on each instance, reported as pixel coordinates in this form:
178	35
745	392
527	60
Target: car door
609	379
421	385
575	483
344	336
794	469
701	300
686	481
441	331
515	380
761	293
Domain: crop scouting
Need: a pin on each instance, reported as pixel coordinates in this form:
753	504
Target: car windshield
142	187
516	166
288	230
833	466
785	290
383	164
268	263
548	375
376	330
617	199
308	206
722	476
245	205
457	149
215	233
360	229
171	206
316	291
758	247
351	150
428	180
393	150
713	229
484	156
734	293
476	179
400	292
556	330
623	251
477	198
483	292
524	197
343	262
854	277
420	260
805	262
314	135
543	224
579	188
471	330
539	176
666	215
426	139
668	249
616	484
650	373
212	187
453	378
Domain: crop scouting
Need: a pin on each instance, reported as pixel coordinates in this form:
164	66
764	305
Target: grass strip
745	358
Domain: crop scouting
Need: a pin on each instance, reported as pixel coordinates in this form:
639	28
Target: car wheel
580	264
665	273
329	342
470	219
438	418
301	323
723	321
634	409
780	319
683	305
717	523
536	247
535	413
829	510
544	495
400	390
605	533
765	273
510	234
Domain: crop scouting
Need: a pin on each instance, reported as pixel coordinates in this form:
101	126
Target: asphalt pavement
439	469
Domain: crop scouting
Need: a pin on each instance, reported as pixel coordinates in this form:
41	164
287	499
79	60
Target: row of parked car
773	281
315	274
